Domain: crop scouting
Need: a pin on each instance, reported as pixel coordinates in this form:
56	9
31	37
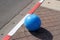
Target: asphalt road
10	8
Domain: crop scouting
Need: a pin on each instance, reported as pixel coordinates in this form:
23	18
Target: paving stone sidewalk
50	28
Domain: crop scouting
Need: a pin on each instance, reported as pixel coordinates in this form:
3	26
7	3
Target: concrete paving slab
52	4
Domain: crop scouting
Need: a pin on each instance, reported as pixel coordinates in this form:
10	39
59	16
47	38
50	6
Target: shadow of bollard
42	34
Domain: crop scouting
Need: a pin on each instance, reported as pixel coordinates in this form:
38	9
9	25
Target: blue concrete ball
32	22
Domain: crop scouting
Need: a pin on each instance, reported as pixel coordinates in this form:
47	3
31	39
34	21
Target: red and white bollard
13	31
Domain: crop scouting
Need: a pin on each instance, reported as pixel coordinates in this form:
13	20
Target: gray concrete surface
52	4
10	8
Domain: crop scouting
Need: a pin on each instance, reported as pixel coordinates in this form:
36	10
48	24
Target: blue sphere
32	22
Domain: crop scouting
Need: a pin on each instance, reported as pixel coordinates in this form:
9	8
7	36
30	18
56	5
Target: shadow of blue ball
32	22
